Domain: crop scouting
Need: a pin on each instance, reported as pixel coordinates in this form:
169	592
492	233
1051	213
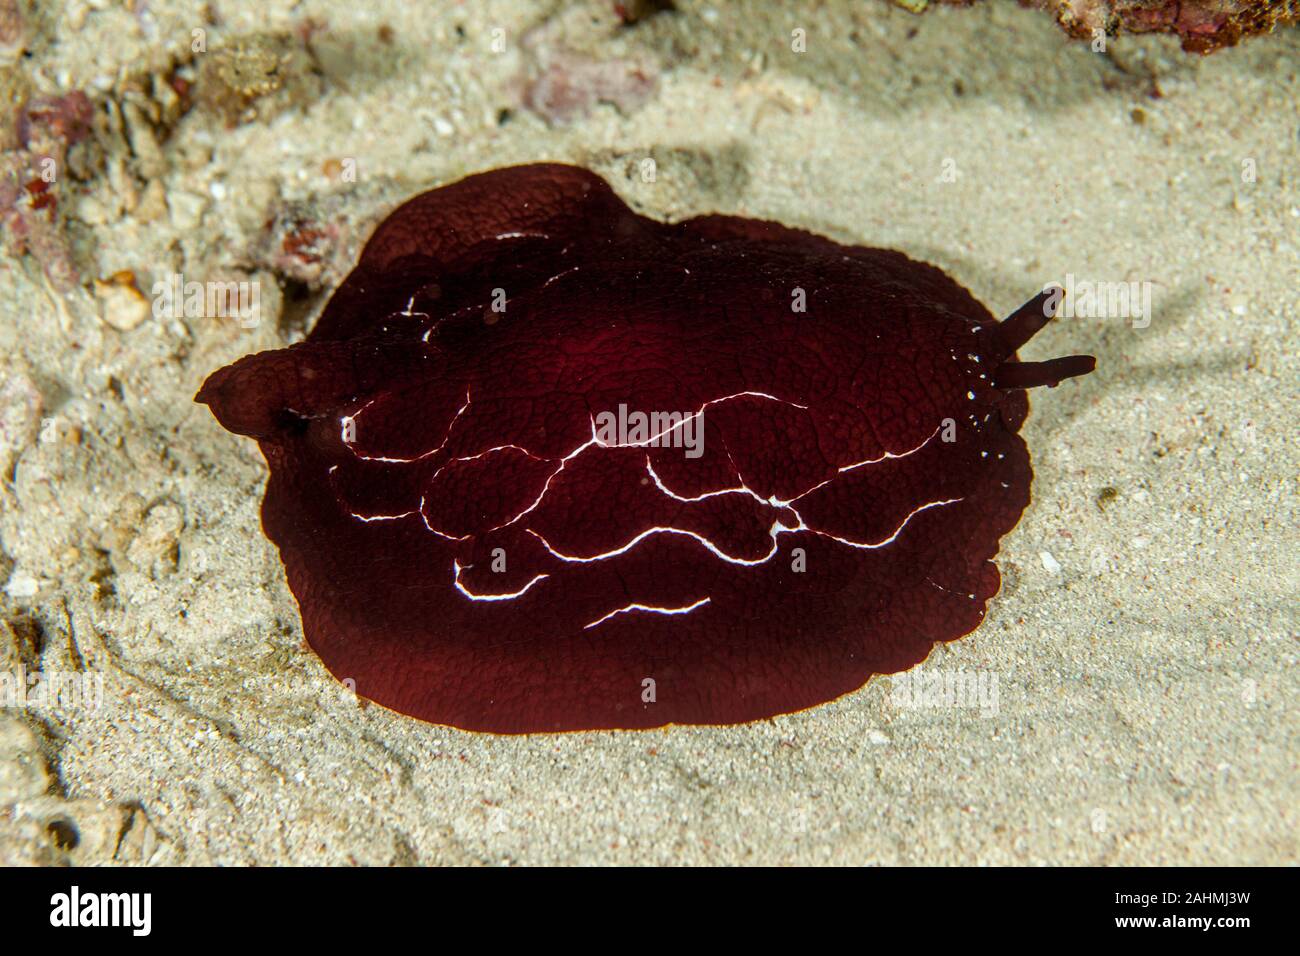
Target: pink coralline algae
31	176
1202	25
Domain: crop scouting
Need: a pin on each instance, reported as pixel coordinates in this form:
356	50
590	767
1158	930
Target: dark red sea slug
546	464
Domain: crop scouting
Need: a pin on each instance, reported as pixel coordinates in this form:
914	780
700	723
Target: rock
1203	26
153	203
20	413
14	32
22	585
155	549
85	832
122	305
23	773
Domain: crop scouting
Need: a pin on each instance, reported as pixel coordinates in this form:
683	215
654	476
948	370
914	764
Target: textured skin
416	430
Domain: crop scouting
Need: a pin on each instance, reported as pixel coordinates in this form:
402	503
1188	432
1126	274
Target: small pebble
122	305
22	586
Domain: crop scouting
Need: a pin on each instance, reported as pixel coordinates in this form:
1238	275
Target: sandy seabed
1138	667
